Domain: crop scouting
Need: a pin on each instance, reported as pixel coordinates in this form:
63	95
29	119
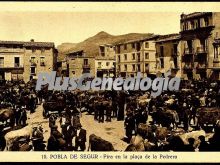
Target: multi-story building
78	63
24	60
136	56
216	60
105	62
168	55
199	32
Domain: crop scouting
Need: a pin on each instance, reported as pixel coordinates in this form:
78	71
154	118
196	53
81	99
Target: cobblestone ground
110	131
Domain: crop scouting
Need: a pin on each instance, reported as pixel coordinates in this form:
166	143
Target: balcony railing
187	66
201	50
216	62
86	66
16	65
11	67
201	66
188	51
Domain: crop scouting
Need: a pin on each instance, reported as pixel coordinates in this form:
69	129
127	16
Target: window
107	63
1	62
133	56
161	62
138	46
125	57
32	59
161	51
138	68
17	61
147	68
119	58
42	61
33	70
192	25
138	57
133	67
146	55
118	49
133	45
125	46
206	21
146	45
125	67
99	64
73	72
119	68
85	61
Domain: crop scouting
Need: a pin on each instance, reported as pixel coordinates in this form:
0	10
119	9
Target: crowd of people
172	110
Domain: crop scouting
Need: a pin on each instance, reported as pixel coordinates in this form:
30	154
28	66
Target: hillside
64	47
91	45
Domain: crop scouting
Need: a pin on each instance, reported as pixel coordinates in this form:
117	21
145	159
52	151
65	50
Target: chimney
32	40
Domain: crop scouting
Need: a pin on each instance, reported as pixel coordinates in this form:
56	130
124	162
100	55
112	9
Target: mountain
64	47
91	44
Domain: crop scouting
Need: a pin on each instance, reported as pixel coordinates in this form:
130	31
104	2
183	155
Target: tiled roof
193	15
28	44
152	37
168	37
39	44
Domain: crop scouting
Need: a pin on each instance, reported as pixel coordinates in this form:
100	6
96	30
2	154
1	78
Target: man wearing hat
80	138
68	132
129	124
23	116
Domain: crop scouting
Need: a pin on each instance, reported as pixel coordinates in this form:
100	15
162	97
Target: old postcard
109	82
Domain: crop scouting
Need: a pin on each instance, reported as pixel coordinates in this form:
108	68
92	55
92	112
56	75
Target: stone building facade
78	63
199	32
24	60
136	56
105	61
168	57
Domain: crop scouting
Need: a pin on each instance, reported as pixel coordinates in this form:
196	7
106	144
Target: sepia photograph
122	81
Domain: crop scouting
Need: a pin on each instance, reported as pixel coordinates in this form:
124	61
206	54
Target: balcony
12	67
201	66
86	66
201	50
187	67
216	63
188	51
17	65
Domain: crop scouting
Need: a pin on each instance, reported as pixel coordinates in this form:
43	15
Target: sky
73	27
74	22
